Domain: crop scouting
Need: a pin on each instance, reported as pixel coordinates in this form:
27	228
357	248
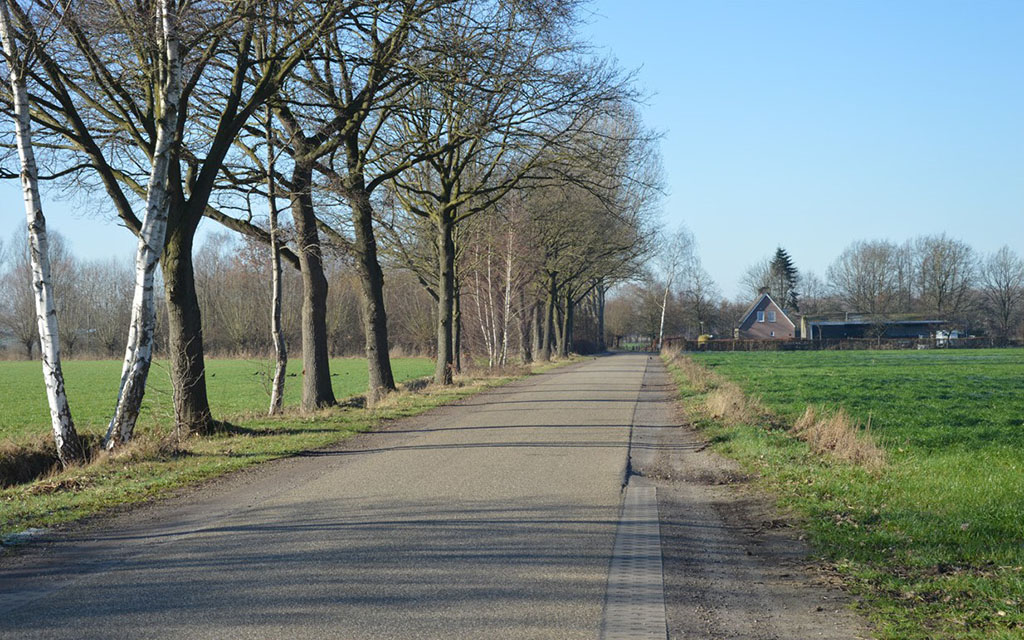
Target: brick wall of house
781	329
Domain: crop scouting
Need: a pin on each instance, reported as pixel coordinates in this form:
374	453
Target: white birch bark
492	320
507	311
69	447
280	349
139	350
661	325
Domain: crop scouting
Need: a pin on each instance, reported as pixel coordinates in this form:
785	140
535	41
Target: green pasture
935	541
235	387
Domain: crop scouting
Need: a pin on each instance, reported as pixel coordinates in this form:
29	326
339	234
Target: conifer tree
784	278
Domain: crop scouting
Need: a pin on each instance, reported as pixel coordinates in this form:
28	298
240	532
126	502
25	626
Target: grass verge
155	463
931	534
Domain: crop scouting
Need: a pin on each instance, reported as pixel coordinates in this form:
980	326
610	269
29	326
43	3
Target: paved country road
493	518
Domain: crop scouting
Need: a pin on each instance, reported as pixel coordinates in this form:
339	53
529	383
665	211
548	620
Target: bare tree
507	87
675	259
701	298
864	276
757	278
69	447
139	350
357	79
1001	279
108	287
814	294
945	272
18	314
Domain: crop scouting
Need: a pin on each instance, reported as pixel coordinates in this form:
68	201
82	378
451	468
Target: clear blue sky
806	124
812	124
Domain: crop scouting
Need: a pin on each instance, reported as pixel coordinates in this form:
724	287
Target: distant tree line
475	147
933	276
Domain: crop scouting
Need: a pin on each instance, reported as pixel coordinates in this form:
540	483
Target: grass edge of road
835	504
156	465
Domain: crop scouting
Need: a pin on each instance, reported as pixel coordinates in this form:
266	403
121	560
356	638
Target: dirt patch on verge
734	566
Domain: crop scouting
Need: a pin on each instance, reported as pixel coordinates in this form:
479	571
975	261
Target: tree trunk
185	332
139	350
507	308
280	349
549	319
492	310
602	345
69	447
565	335
317	392
526	316
481	313
375	317
559	323
661	323
444	370
535	327
457	327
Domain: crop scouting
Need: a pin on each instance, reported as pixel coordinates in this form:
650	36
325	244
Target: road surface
496	517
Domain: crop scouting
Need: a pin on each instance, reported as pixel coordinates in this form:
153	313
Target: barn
866	327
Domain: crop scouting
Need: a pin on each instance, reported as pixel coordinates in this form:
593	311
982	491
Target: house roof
757	303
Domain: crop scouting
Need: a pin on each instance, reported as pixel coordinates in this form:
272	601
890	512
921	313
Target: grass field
934	540
235	387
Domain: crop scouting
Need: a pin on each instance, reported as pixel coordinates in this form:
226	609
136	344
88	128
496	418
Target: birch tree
69	447
675	258
139	350
280	349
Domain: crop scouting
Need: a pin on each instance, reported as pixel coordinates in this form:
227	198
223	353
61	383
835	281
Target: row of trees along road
430	114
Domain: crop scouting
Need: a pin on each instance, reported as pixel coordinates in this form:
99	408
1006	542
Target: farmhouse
765	320
865	326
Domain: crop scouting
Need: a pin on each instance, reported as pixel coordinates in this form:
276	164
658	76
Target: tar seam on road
632	427
634	606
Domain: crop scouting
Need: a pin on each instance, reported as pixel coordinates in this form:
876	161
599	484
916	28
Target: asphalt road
493	518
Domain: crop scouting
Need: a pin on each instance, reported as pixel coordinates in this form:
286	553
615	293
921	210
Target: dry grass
700	378
724	399
728	402
831	433
671	353
836	434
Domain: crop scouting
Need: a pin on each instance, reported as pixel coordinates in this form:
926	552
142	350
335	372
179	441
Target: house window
760	316
773	334
771	316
